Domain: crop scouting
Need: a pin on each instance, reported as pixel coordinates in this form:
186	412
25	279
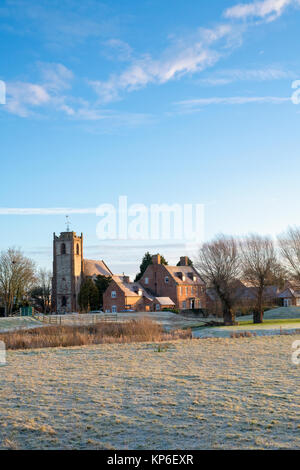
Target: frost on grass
197	394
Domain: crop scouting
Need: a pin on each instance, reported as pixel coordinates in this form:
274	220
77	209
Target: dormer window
166	280
113	294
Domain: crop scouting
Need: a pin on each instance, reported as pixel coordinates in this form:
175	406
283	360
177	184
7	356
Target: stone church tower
67	271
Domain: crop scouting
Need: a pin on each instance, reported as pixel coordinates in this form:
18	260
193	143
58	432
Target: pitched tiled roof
288	293
94	268
131	289
187	271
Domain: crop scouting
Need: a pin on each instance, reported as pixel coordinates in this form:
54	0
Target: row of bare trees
259	260
20	280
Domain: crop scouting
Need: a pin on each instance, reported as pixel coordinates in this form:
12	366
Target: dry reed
141	330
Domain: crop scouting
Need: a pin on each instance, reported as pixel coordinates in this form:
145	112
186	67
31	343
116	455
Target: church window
77	249
63	249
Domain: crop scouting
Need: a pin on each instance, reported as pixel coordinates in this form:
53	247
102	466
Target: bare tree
260	267
41	292
17	274
218	265
289	244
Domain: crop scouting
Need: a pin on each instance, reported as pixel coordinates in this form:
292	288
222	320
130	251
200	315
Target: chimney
184	261
156	259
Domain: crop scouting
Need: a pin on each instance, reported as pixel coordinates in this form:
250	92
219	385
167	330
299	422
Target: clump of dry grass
141	330
243	334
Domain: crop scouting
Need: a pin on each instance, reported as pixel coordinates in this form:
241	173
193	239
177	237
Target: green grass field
278	321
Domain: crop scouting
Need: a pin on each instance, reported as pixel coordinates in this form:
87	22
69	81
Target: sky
174	102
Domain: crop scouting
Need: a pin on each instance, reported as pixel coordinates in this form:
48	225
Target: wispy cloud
185	56
225	77
266	9
23	98
45	211
56	77
62	24
118	50
232	100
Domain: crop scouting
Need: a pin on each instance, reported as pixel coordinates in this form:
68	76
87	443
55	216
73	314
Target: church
70	269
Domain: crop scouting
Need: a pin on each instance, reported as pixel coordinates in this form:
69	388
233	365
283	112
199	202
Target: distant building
290	295
181	284
124	295
70	269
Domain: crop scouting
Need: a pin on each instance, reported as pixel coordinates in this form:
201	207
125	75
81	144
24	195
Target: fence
69	319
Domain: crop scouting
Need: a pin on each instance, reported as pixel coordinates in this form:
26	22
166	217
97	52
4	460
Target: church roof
95	267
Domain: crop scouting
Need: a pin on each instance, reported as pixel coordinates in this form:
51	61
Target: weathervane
68	223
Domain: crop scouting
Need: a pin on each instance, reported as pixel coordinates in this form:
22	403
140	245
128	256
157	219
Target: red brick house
182	284
124	295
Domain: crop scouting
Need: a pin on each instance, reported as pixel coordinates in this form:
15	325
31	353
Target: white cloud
188	56
21	97
24	97
229	76
46	211
231	100
55	77
120	50
266	9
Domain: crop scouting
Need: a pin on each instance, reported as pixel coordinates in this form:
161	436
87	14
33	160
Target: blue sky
164	102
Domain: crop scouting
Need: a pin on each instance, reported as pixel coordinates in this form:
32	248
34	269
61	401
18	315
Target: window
63	249
199	304
64	301
113	294
157	307
187	290
184	304
166	280
77	249
181	291
114	309
146	280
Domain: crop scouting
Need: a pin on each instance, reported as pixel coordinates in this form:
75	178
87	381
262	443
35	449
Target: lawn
14	323
208	394
278	321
